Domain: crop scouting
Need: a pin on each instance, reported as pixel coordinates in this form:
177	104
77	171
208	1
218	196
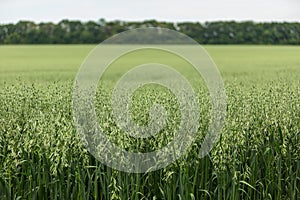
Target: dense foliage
76	32
258	156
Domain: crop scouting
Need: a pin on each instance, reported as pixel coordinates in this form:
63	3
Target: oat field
257	157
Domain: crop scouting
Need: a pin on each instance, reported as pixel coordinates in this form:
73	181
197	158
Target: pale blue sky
138	10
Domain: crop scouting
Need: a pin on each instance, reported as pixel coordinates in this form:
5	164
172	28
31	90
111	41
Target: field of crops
257	157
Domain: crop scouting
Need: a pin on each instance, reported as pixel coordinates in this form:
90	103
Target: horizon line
151	19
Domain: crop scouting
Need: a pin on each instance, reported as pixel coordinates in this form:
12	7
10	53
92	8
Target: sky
139	10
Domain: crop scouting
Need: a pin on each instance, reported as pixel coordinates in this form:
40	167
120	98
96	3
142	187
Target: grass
258	156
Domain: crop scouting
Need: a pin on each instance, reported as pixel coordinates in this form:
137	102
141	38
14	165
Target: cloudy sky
138	10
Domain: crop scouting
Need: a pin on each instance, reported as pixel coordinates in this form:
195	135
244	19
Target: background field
258	156
48	63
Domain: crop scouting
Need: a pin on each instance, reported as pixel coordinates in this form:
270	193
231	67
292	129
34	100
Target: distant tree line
91	32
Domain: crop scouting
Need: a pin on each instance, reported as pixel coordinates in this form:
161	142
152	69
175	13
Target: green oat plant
257	157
